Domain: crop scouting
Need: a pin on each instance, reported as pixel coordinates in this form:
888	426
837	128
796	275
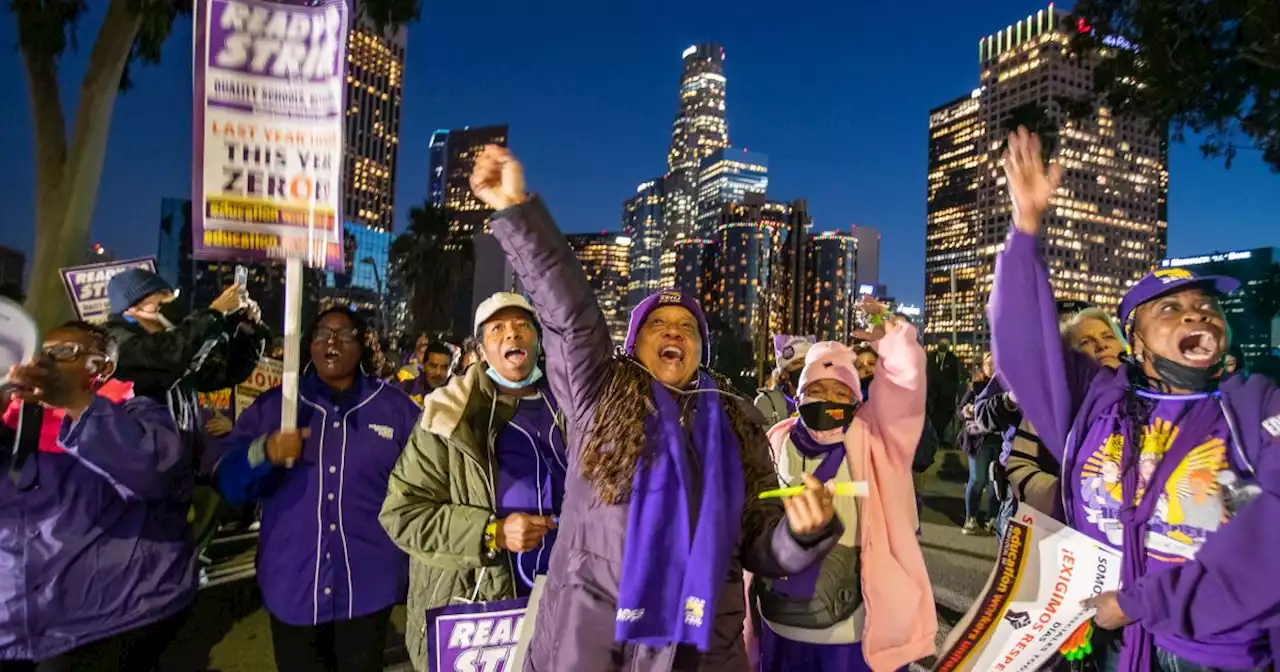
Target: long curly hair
616	442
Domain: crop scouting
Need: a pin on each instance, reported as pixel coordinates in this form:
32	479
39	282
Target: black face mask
822	416
1183	377
175	311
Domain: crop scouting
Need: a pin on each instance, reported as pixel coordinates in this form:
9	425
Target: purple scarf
672	576
1103	401
832	456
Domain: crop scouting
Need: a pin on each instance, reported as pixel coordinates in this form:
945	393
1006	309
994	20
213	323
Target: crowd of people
630	486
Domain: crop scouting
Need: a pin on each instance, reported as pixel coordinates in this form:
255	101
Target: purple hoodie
1208	593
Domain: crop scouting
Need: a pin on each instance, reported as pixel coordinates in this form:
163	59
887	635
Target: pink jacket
900	619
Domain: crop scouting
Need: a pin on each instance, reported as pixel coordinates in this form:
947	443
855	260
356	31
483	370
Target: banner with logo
268	123
477	637
1031	602
268	374
87	286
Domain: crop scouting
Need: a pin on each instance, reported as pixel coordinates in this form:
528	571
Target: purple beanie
669	297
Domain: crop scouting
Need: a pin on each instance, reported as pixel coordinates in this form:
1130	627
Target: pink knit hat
830	360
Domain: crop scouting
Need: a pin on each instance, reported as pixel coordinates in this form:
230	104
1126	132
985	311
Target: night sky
836	94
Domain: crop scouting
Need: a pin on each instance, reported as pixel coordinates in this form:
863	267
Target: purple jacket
575	622
1230	585
94	541
322	556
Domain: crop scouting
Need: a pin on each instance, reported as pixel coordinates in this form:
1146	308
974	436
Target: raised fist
498	178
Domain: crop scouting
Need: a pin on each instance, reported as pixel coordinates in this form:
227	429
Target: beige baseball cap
498	302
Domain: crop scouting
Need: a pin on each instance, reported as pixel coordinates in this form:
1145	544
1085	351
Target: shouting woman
868	605
329	574
1162	458
661	510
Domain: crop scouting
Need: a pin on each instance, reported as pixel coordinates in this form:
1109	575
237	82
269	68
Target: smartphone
242	280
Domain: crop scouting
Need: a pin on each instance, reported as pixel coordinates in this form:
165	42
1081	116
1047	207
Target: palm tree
430	267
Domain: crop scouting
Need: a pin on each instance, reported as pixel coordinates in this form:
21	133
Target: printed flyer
268	123
1032	601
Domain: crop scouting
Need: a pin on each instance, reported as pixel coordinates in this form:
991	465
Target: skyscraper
697	269
726	176
375	79
950	304
750	296
699	130
831	267
1106	225
642	223
868	238
603	257
451	156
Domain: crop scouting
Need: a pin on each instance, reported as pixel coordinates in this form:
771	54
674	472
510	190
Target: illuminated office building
696	263
375	79
1107	224
450	157
698	131
951	308
829	285
642	223
750	296
603	257
727	176
1250	310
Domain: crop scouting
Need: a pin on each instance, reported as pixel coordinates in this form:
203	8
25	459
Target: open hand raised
1030	187
498	178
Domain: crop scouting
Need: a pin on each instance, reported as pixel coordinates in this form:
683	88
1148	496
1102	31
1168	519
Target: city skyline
588	144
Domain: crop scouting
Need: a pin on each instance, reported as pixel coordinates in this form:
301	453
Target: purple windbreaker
322	555
94	541
575	622
1217	608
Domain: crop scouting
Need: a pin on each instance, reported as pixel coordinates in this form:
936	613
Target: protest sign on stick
87	286
269	110
480	637
1032	600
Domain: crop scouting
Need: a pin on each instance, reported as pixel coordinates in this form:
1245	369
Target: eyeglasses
341	335
64	353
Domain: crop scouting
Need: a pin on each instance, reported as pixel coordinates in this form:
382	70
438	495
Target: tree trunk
68	174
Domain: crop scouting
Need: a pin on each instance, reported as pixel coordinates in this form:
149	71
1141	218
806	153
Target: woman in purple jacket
328	572
660	510
98	566
1161	458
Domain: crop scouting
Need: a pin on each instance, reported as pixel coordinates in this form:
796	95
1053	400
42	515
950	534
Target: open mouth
671	354
1198	346
516	355
331	355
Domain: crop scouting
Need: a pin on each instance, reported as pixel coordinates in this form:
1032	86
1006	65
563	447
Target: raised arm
898	392
575	334
1048	381
134	445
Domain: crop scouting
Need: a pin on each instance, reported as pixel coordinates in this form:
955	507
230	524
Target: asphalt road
229	631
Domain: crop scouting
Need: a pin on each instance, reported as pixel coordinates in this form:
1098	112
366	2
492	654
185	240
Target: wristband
491	537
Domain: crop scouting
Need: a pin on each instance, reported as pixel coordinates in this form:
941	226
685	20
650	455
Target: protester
429	369
661	510
482	480
779	402
468	354
812	620
1031	471
329	574
866	364
983	448
1161	458
99	568
944	375
171	357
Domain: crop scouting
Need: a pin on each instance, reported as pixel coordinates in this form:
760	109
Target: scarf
672	576
1195	424
832	456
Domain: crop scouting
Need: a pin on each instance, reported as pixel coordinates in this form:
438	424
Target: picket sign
482	636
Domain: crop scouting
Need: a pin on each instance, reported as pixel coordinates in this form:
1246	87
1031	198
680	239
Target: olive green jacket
440	498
